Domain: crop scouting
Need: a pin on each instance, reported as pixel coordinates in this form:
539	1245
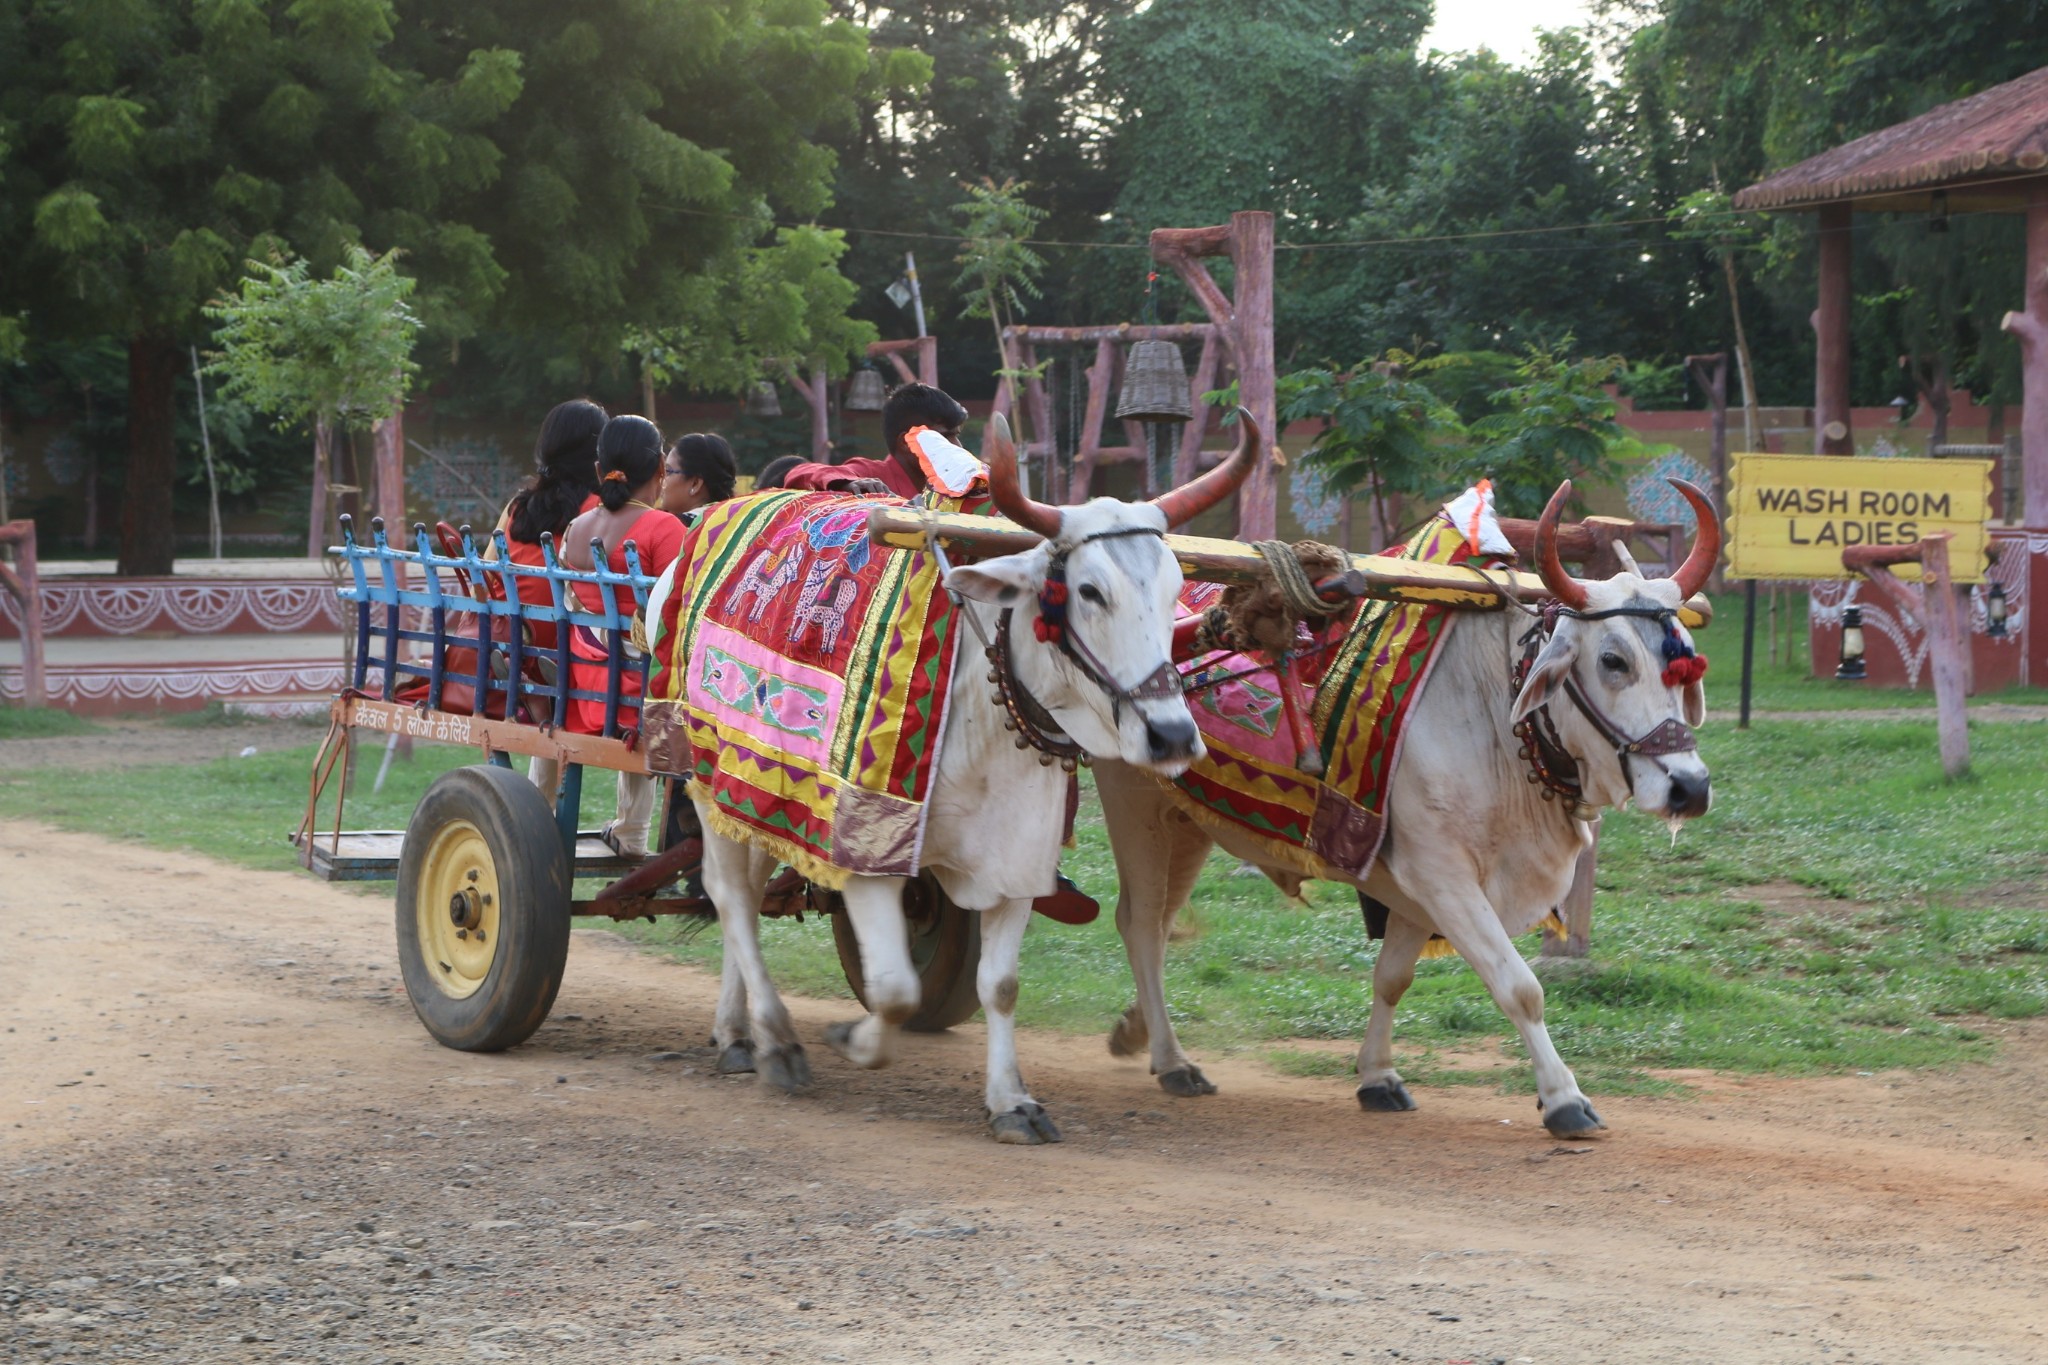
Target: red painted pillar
1251	251
1831	334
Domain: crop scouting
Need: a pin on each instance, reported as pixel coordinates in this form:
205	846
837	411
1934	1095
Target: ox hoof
737	1059
784	1068
1186	1081
1388	1097
1130	1036
1028	1125
1573	1119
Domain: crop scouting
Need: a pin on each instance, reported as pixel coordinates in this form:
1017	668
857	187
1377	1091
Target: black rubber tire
532	877
945	947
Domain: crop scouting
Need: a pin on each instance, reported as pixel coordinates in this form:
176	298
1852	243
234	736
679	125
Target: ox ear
1692	701
1552	666
1006	581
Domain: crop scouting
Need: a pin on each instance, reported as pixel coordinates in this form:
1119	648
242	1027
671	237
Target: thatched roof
1984	149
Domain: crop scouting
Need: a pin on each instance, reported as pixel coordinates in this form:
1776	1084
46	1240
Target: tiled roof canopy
1984	148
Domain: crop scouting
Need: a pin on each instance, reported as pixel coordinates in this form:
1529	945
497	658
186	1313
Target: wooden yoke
24	586
1938	612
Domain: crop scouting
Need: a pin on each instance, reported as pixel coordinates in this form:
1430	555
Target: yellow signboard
1791	516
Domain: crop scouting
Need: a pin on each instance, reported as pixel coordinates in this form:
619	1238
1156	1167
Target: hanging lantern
1995	611
864	392
1155	384
763	401
1851	667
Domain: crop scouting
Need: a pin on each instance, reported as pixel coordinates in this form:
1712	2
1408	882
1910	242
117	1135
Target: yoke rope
1296	590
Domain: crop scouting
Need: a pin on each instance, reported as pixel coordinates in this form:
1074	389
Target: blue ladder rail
383	576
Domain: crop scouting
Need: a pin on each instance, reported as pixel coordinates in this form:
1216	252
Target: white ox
997	810
1473	851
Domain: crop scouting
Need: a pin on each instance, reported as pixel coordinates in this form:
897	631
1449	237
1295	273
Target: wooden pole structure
1938	612
2030	327
1247	321
1711	372
1831	434
24	585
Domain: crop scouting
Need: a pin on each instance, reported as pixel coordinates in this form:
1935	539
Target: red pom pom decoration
1686	671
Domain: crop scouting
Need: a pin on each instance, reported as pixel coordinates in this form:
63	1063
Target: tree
548	170
1387	433
319	352
998	268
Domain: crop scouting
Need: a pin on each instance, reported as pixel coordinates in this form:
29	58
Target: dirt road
223	1137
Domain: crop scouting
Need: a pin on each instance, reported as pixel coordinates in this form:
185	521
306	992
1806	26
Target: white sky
1508	27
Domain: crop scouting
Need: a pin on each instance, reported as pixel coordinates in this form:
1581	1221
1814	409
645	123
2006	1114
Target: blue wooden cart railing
470	603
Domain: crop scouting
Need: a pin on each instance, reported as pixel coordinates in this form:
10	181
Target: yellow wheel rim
457	909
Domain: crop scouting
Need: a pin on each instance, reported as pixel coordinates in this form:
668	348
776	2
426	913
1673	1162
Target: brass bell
1155	384
763	401
1023	742
1045	760
864	392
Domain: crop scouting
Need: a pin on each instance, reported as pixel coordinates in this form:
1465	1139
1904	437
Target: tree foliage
304	350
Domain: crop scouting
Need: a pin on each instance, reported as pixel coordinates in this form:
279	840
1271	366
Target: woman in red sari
629	475
564	484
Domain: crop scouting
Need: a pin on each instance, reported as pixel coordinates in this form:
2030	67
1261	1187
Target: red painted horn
1706	543
1182	505
1562	585
999	453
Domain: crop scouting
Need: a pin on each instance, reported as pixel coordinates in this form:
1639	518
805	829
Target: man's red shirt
819	478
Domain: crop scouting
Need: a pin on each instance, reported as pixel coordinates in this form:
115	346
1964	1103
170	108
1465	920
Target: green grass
1788	685
41	722
1842	908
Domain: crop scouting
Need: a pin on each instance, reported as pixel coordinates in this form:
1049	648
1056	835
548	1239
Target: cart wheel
483	909
945	949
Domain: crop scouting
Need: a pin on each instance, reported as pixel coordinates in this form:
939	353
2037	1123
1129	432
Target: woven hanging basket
1155	384
763	401
864	392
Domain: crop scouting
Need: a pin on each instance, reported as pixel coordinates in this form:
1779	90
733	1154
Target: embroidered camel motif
812	611
763	586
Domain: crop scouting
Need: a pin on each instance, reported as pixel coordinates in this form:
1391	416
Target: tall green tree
561	171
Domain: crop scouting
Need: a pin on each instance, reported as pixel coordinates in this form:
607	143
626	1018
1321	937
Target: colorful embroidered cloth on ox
801	680
1357	711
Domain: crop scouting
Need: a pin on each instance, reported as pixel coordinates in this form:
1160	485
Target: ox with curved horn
1492	802
1180	505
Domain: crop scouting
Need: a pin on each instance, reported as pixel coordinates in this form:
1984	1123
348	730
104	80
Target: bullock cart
486	868
446	651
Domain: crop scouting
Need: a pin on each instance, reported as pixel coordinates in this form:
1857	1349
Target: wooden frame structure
814	386
1246	321
1941	615
1112	346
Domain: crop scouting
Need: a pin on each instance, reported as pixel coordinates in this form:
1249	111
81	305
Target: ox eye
1614	662
1091	593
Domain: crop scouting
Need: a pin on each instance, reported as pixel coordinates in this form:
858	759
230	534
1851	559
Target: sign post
1795	516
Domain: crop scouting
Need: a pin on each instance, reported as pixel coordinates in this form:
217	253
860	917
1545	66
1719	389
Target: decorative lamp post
1995	612
1851	667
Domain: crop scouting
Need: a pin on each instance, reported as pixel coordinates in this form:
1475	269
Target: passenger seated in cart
629	477
564	485
910	467
699	471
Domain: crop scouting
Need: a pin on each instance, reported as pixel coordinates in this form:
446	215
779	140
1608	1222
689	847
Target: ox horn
1182	505
999	453
1706	544
1562	585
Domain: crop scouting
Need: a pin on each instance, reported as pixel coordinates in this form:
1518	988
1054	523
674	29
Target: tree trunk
316	521
148	537
1746	371
390	435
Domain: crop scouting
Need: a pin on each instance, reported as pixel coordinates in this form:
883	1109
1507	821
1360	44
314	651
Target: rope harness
1550	764
1033	725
